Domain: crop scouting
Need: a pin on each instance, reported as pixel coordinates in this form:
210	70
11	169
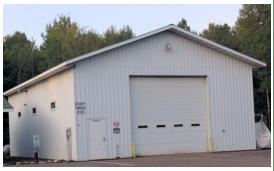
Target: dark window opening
52	105
178	125
19	114
34	110
142	126
160	126
195	124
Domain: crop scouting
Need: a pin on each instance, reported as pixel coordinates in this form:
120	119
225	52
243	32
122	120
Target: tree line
64	39
251	35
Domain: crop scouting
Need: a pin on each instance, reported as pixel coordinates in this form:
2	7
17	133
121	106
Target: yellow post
133	149
210	144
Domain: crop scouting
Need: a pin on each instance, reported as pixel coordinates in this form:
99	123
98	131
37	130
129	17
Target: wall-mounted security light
168	47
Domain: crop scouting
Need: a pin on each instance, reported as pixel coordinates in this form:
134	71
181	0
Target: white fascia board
218	47
255	63
42	76
108	48
8	110
70	62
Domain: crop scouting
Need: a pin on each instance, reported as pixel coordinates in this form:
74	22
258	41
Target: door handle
104	138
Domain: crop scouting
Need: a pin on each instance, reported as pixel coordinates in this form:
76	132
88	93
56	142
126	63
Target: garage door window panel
160	126
142	126
178	125
195	124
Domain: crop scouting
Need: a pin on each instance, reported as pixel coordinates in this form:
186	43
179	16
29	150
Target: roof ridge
175	29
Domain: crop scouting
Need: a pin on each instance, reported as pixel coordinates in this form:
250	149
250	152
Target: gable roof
172	28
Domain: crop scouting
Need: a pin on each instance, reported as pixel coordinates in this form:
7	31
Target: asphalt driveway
258	158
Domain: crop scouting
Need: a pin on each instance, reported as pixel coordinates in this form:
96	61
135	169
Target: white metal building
168	91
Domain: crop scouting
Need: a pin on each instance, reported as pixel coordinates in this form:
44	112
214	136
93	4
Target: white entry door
97	139
168	114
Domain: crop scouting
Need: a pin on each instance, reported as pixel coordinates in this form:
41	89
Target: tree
183	24
64	40
125	33
221	34
90	41
251	36
253	29
20	59
112	36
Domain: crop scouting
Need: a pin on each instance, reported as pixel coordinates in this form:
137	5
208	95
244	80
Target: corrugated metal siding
49	124
103	83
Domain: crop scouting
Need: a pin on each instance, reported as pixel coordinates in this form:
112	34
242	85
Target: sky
32	19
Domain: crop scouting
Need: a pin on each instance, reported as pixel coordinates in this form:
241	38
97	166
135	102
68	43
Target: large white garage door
168	114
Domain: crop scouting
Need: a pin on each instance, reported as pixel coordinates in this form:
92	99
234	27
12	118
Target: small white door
97	139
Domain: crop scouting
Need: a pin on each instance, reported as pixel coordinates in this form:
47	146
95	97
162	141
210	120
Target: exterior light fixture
168	47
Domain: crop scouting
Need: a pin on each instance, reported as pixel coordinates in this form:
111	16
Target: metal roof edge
54	70
172	27
187	34
40	77
8	110
108	48
221	48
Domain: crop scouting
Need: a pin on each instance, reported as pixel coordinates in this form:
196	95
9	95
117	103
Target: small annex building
168	91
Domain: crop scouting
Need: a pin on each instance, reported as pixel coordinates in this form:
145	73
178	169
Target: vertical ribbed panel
49	124
103	83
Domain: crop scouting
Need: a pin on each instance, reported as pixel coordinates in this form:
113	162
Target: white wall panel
49	124
103	83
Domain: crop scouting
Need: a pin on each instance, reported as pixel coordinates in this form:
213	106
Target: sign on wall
116	124
116	129
80	108
36	141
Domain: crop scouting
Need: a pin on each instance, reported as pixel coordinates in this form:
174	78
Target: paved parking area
258	158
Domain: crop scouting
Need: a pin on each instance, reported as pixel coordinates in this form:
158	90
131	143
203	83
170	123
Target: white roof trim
8	110
44	75
181	32
247	59
218	47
